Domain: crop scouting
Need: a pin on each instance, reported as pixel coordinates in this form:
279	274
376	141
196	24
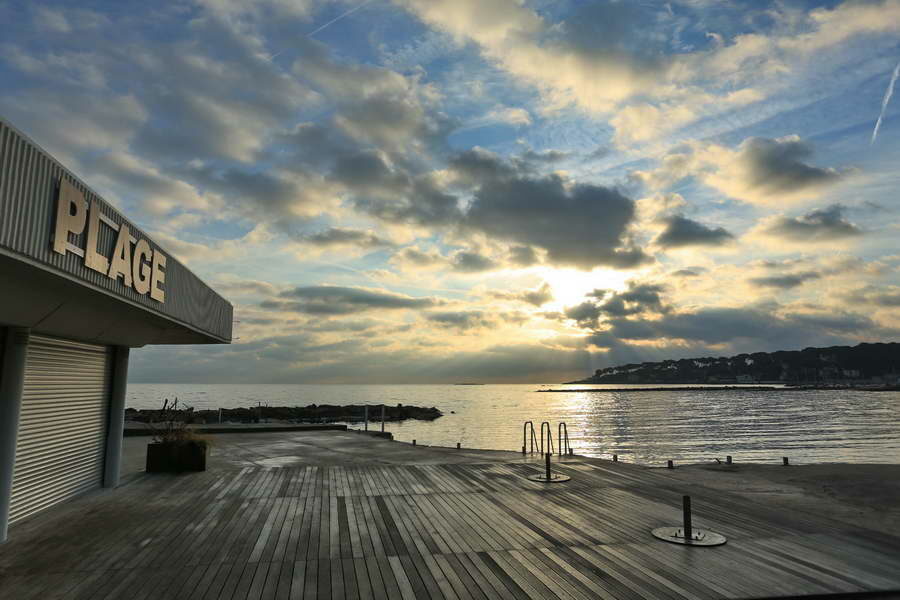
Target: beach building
80	285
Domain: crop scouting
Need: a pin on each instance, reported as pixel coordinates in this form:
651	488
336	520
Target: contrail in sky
884	103
338	18
331	22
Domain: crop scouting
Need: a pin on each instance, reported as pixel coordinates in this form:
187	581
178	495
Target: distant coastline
864	366
730	388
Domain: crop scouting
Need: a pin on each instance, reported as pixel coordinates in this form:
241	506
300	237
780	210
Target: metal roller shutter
62	427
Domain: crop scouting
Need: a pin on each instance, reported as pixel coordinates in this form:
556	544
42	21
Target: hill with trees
864	363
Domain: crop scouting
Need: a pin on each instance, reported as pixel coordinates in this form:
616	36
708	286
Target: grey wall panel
62	425
29	181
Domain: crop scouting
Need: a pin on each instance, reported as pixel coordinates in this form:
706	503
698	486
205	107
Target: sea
645	427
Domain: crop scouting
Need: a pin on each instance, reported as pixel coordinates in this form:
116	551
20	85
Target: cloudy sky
485	190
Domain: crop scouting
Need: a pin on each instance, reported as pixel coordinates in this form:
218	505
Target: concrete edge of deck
142	429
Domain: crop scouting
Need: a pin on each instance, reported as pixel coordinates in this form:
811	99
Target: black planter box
175	458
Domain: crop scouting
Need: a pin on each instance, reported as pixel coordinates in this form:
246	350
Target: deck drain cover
700	537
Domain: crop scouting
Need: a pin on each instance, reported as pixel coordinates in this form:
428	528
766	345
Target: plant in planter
175	447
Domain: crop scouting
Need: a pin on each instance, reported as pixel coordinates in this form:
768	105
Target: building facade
80	285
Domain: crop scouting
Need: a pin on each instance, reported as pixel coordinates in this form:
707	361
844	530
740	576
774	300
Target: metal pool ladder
562	438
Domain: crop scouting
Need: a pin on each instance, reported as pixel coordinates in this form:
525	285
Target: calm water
644	427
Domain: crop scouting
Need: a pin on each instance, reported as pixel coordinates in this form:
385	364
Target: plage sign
141	268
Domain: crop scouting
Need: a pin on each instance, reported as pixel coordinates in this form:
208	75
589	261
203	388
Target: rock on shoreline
314	413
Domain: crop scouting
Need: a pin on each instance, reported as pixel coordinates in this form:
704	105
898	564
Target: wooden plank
403	580
351	587
362	579
337	579
298	580
285	580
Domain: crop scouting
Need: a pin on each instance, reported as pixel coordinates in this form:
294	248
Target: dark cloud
786	282
636	299
726	325
245	286
883	296
259	196
580	225
472	262
577	225
523	256
468	319
339	236
838	322
612	31
368	171
691	272
375	105
821	225
681	232
416	258
337	300
535	297
777	165
389	193
547	157
539	296
197	113
478	165
600	152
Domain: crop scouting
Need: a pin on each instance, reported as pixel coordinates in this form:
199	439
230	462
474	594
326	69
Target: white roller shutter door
62	427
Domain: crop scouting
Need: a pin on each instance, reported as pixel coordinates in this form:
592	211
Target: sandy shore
866	495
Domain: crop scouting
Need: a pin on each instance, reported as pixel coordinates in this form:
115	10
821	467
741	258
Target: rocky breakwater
314	413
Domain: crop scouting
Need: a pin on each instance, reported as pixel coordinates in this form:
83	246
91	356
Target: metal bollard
688	530
523	450
220	416
366	416
457	445
727	460
615	458
382	418
414	442
548	467
784	461
670	465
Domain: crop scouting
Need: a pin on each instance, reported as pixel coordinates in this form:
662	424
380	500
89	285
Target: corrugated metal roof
29	183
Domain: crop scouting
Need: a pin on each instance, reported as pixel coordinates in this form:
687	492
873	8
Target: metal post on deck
686	534
366	416
382	418
686	509
548	467
220	415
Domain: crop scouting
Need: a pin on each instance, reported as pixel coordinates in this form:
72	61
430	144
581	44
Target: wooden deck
454	531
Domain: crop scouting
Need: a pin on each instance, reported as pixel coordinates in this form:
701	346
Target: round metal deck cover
701	537
554	478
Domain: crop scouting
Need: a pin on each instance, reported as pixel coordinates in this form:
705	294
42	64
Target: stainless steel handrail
525	428
562	430
549	437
